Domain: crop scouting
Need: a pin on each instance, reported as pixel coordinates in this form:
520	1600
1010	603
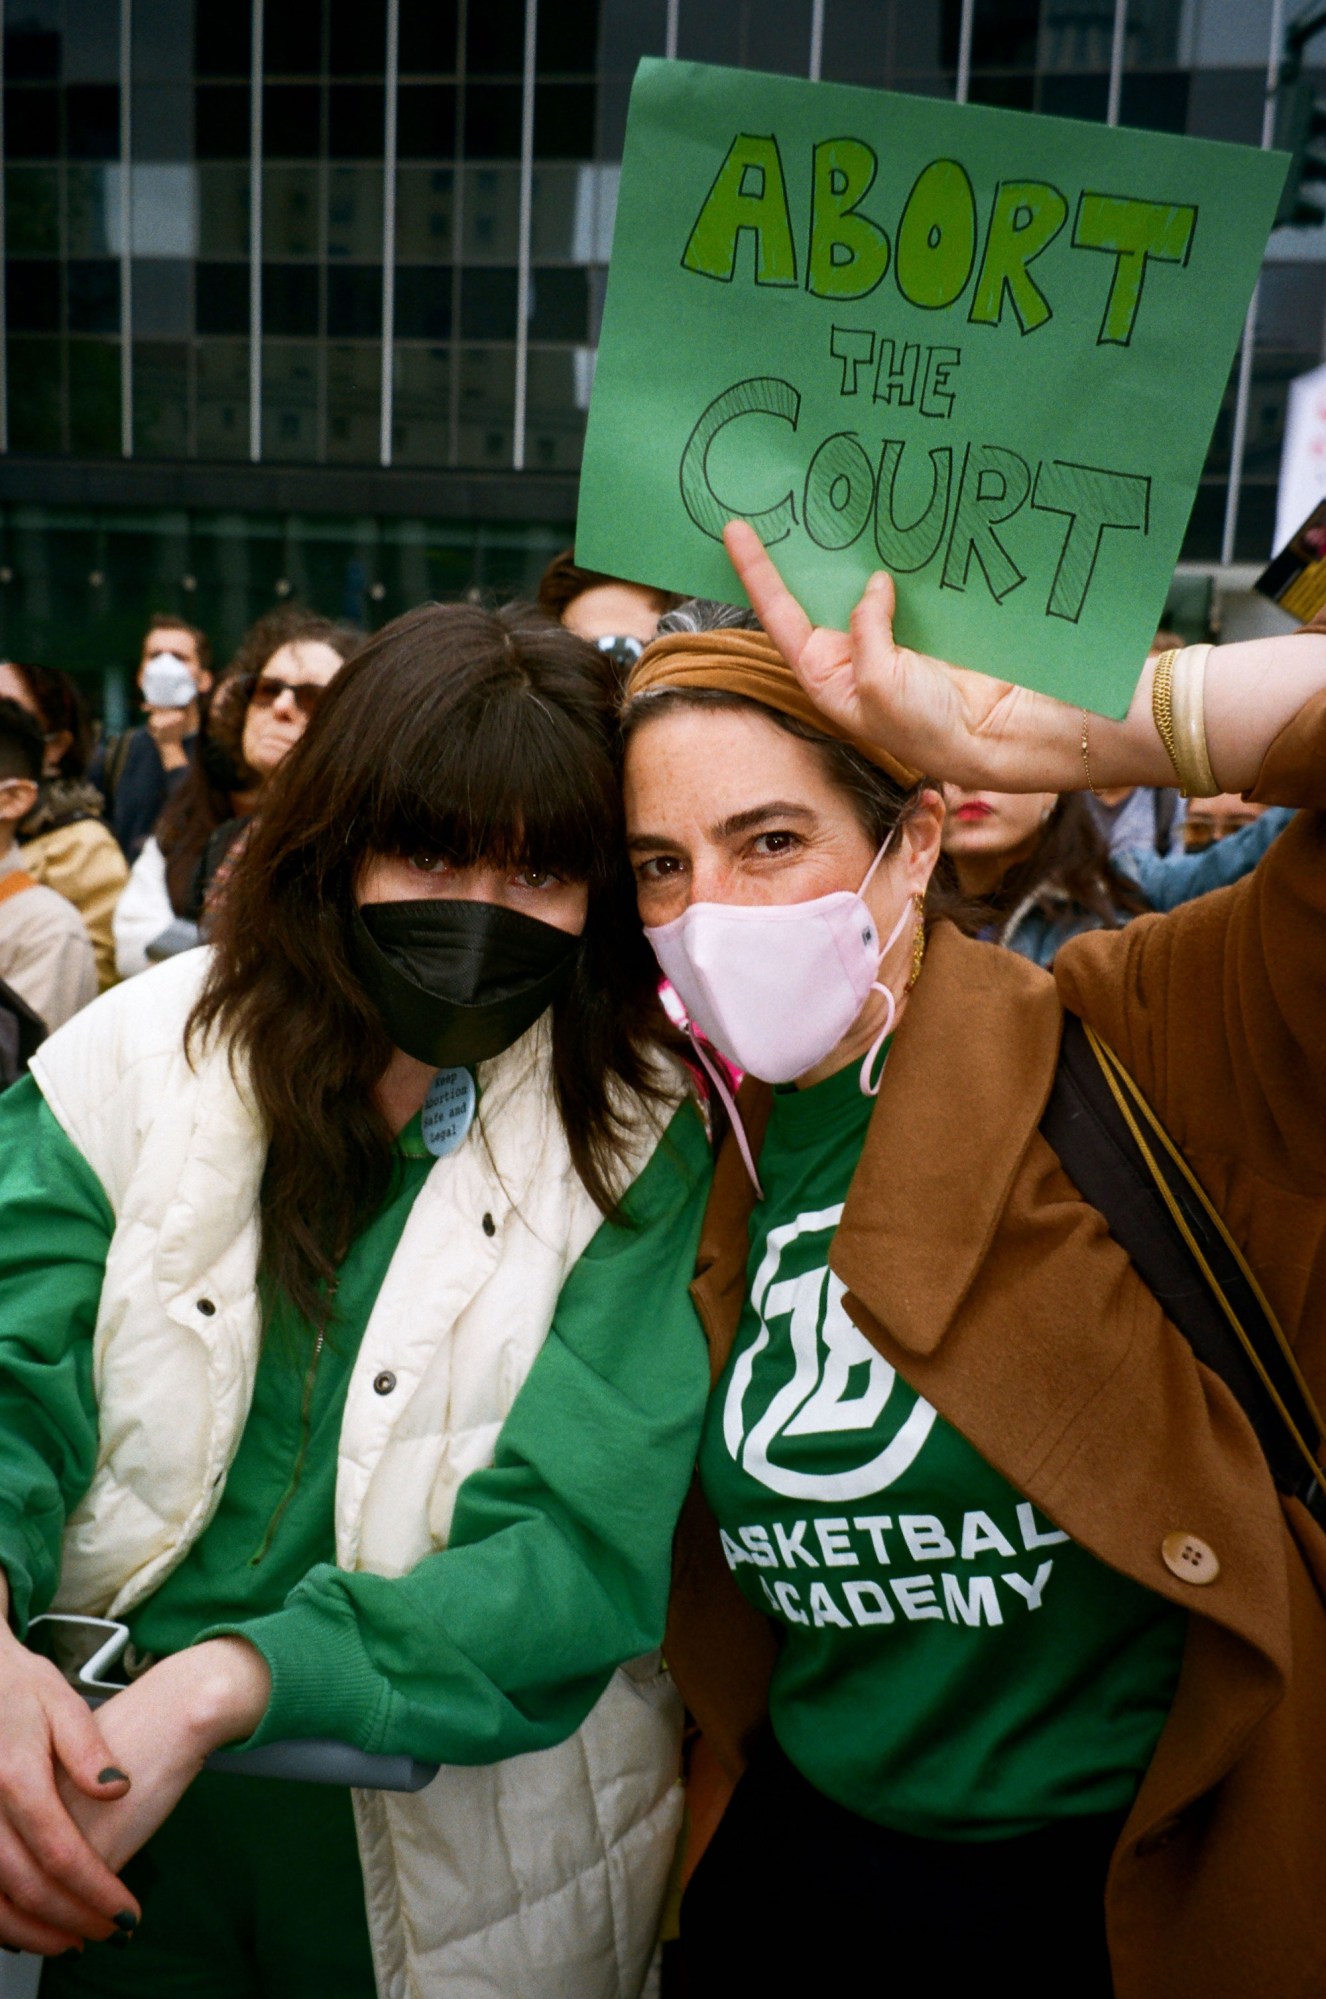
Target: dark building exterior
301	296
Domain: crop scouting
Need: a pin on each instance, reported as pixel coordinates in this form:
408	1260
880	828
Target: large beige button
1189	1558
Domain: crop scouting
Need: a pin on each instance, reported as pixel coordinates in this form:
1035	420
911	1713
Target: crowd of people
531	1241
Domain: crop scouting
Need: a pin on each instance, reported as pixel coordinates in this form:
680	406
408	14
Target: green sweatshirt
952	1664
559	1557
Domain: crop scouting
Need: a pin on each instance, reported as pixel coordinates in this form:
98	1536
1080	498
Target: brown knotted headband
749	664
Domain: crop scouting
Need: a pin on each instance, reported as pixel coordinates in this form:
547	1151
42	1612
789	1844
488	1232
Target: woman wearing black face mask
368	1211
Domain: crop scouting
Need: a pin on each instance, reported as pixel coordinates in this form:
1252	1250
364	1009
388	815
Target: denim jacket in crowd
1048	917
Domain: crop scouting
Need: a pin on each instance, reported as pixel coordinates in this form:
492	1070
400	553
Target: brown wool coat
975	1267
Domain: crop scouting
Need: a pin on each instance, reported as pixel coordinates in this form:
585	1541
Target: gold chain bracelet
1162	705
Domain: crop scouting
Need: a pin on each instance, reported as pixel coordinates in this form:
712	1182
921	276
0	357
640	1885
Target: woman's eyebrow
759	815
652	843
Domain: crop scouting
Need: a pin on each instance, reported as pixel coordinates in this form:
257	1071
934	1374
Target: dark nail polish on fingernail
110	1775
12	1948
126	1921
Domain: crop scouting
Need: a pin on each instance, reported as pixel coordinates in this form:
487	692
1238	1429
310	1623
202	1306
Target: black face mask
457	982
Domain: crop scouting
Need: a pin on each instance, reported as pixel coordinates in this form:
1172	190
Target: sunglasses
267	691
622	651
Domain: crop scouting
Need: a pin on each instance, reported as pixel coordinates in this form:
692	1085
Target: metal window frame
816	65
389	149
255	231
519	411
962	81
1239	439
126	232
4	301
1117	44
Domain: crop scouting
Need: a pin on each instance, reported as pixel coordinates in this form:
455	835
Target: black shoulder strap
1119	1157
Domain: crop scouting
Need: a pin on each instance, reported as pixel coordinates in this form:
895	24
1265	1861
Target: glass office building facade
301	296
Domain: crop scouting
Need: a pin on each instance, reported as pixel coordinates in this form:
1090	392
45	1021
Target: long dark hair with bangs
457	731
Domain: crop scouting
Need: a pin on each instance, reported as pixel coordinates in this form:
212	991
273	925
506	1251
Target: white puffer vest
537	1878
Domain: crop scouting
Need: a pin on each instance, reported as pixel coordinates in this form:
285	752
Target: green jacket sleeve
558	1565
55	1231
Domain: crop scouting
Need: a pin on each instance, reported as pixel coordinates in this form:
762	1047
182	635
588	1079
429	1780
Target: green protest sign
981	349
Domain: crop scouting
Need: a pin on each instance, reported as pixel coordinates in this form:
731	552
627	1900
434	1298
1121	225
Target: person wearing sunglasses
616	616
257	713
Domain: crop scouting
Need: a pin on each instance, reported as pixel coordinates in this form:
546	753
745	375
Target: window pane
289	400
358	37
34	394
564	121
354	301
221	121
292	38
221	39
223	398
568	38
573	213
421	402
559	305
354	404
428	37
162	121
492	121
490	227
487	393
1006	35
354	212
423	301
221	298
223	211
32	48
290	299
32	124
89	193
94	397
356	115
1156	99
92	121
488	305
161	302
426	121
32	211
161	399
495	32
32	296
291	119
290	211
94	296
424	206
555	420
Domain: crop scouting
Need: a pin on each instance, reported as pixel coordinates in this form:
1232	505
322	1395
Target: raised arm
969	729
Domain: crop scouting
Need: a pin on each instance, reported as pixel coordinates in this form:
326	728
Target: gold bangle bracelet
1188	709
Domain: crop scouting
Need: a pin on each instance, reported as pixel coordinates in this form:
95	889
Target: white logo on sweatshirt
826	1349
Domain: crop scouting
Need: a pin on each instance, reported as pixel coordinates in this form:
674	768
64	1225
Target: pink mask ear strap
729	1102
870	871
869	1086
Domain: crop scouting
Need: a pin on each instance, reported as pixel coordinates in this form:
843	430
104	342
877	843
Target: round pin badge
448	1111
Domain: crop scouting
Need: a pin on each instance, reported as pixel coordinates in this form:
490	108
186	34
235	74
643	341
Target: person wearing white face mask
987	1587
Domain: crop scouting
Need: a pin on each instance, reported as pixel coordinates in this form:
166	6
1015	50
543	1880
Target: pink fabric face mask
776	986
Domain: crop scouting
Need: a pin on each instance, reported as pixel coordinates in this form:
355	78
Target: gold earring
918	942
